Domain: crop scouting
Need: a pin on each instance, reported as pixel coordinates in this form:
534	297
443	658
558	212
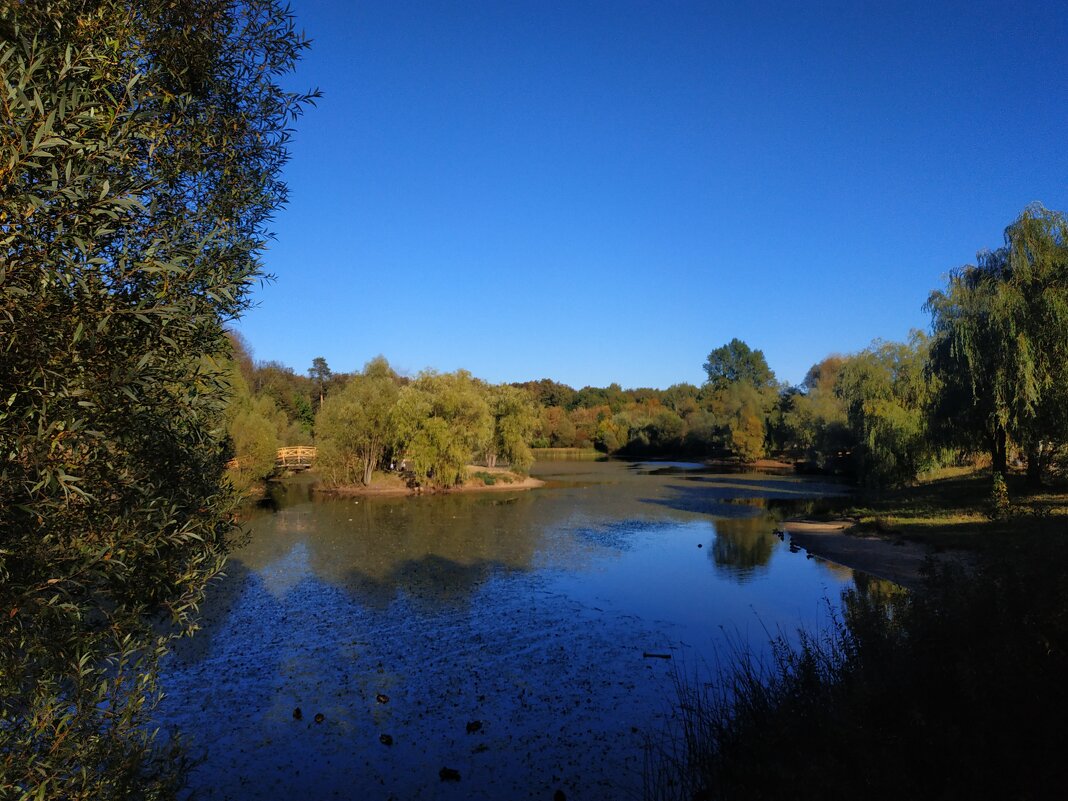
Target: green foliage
320	373
884	390
735	363
441	421
814	423
999	498
739	408
1001	343
139	158
253	429
547	392
357	425
514	421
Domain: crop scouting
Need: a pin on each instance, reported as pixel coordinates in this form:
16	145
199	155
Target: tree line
429	427
989	380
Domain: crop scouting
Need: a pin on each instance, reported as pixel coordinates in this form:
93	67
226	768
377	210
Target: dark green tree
736	362
320	373
140	149
1000	347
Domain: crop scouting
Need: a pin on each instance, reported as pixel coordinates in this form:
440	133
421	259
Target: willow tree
442	421
514	420
1001	342
884	390
252	423
355	427
140	149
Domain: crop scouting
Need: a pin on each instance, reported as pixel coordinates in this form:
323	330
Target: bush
999	498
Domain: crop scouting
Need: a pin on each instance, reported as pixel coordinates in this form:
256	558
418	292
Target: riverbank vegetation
953	692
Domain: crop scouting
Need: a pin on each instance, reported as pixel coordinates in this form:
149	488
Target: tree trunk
997	450
1034	466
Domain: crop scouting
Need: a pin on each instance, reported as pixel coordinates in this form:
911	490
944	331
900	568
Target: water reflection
441	549
744	544
528	613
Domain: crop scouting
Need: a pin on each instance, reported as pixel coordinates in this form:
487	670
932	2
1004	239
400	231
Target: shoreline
900	561
519	484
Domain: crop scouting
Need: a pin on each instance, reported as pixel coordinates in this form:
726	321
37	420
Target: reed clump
957	691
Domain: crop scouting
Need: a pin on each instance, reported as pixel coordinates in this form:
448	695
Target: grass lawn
948	509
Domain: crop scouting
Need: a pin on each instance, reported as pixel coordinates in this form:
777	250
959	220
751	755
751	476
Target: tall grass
956	692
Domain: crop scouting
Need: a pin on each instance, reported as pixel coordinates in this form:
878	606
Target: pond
383	647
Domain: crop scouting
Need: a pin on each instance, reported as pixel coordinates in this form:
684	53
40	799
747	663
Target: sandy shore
899	561
393	486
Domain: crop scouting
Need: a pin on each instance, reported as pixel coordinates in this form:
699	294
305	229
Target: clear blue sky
598	192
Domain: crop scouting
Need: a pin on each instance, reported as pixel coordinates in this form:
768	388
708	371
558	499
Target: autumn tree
815	420
141	146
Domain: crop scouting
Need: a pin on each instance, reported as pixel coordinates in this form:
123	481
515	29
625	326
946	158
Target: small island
477	479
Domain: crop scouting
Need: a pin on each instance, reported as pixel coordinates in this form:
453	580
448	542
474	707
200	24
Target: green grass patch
952	509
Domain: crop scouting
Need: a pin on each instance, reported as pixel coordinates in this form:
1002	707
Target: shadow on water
742	486
433	581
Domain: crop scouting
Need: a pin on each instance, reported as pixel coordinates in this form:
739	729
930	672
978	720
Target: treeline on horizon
988	383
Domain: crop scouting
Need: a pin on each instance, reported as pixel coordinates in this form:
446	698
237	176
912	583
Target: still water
515	639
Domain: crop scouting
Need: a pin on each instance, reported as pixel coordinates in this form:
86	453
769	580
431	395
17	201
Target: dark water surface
503	636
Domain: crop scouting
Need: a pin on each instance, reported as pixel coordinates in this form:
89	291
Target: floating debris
319	717
385	739
449	775
382	698
297	714
474	726
647	655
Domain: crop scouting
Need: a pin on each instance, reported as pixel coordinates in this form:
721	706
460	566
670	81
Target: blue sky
598	192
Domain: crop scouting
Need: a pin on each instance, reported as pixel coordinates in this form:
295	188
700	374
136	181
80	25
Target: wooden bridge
297	457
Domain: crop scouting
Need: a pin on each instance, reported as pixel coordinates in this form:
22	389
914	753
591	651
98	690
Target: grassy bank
951	509
956	692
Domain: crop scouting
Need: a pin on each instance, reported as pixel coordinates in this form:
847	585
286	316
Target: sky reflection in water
526	613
